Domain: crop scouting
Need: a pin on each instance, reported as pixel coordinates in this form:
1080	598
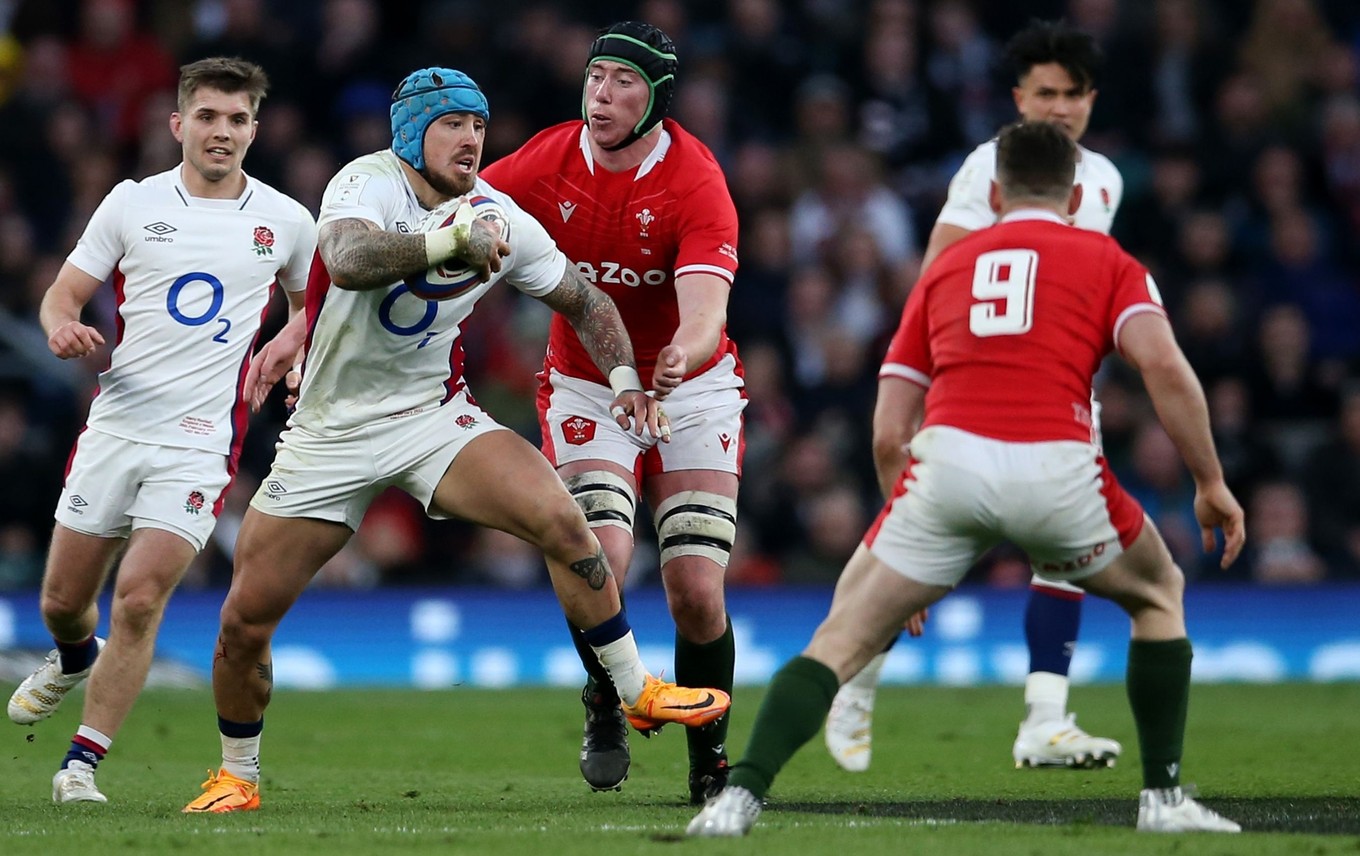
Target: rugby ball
452	277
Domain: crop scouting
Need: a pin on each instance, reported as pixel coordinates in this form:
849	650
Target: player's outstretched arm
596	320
361	256
702	301
1148	343
59	313
278	355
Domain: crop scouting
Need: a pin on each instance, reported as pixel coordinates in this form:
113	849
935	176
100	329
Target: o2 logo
172	304
391	325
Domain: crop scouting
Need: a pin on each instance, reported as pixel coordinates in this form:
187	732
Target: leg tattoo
595	570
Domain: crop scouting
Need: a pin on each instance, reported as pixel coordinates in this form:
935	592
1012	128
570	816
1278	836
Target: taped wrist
624	379
448	241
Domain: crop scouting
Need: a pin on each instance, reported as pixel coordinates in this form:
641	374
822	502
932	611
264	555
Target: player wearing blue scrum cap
383	402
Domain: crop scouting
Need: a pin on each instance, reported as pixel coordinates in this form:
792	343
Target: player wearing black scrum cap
642	208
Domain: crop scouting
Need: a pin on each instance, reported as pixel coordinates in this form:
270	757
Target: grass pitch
494	772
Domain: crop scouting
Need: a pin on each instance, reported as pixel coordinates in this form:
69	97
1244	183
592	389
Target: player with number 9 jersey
1009	325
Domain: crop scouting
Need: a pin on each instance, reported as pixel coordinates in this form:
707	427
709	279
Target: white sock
98	738
241	757
1045	696
867	679
620	658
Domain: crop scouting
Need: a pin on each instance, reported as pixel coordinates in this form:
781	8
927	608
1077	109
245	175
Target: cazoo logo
614	273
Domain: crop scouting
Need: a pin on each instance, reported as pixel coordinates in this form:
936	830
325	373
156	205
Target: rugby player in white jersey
193	255
1055	69
384	403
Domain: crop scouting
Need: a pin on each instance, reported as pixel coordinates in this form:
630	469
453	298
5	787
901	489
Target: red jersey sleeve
708	233
909	352
1134	292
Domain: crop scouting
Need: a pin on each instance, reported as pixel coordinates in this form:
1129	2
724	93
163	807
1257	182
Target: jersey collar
657	154
190	201
1032	214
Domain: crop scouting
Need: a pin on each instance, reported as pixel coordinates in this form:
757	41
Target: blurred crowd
1236	124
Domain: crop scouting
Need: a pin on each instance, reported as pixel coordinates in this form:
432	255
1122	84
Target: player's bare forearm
897	414
596	320
1179	401
359	256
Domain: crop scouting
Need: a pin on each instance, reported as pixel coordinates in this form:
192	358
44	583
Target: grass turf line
482	771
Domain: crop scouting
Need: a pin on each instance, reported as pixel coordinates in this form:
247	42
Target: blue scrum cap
424	96
650	53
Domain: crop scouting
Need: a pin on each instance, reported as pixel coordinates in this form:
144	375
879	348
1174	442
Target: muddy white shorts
705	414
336	477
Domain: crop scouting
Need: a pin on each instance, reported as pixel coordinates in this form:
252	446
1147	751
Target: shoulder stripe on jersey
244	201
908	373
1135	309
713	269
182	197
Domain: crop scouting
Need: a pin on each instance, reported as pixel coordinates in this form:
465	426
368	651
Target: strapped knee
605	498
697	523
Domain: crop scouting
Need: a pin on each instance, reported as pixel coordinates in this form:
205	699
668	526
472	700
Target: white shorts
705	414
114	486
962	494
336	477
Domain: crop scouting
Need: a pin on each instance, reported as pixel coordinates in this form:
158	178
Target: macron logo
567	209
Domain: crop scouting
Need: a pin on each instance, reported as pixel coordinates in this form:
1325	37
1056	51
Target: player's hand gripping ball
453	276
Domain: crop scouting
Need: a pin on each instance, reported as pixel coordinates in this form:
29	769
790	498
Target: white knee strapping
606	499
697	523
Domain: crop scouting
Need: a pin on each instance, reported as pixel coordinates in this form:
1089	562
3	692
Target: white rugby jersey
384	352
967	205
192	279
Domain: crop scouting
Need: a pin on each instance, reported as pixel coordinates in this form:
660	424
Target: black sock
1159	694
598	685
707	665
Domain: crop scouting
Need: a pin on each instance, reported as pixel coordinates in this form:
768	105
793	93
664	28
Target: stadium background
1236	124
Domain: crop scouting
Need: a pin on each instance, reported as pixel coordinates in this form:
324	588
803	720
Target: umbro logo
159	230
78	501
567	209
274	489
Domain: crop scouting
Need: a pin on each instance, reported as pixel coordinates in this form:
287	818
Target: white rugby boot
730	814
1172	810
75	783
39	696
849	728
1061	743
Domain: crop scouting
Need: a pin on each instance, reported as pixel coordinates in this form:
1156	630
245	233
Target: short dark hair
1043	42
225	74
1035	160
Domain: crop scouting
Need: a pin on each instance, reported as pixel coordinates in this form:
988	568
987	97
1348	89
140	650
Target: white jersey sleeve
535	265
366	189
101	244
967	205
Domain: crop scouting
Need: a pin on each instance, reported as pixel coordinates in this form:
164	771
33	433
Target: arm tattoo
595	318
360	256
595	570
481	242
